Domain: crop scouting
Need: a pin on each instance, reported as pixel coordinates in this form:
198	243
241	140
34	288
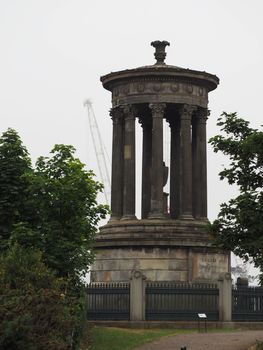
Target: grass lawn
103	338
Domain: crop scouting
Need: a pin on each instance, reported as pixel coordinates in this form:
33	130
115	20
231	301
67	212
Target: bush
37	310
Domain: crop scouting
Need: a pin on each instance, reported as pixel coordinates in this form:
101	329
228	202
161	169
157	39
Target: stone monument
164	244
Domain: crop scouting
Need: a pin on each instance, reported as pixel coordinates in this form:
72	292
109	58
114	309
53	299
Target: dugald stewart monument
170	241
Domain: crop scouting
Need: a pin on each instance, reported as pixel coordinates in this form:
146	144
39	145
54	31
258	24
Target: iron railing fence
181	301
108	301
247	303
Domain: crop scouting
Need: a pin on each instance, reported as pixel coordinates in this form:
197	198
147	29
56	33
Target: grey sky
53	53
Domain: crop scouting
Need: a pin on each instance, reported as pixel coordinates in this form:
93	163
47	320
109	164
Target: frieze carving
175	87
189	88
172	91
200	91
140	87
157	87
116	92
126	89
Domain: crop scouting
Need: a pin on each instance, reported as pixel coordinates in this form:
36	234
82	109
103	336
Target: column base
128	217
114	218
157	216
203	218
186	217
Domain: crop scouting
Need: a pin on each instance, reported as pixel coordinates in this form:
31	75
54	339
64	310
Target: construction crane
100	150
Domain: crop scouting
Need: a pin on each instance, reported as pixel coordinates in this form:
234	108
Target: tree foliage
239	226
48	220
15	165
35	313
52	207
65	195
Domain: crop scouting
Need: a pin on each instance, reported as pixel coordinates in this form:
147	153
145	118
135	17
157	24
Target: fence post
225	297
137	296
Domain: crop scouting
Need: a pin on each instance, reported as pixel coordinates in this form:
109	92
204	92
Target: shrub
37	310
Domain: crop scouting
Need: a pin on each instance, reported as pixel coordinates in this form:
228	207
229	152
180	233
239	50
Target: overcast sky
53	53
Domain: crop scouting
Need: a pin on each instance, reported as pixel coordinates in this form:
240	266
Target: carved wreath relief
169	88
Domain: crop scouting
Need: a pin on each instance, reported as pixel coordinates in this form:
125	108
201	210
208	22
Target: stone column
175	196
129	163
199	164
146	165
157	161
117	165
186	161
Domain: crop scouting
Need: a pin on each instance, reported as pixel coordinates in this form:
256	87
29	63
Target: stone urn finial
160	53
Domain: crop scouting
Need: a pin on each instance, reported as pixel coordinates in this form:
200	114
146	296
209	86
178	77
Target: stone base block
162	251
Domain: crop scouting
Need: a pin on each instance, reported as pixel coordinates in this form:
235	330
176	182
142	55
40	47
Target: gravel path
207	341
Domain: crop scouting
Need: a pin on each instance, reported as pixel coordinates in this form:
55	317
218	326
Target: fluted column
200	164
186	161
146	165
175	195
117	164
129	163
157	161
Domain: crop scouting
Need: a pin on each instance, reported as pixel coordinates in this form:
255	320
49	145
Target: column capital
157	109
201	115
116	115
186	111
130	111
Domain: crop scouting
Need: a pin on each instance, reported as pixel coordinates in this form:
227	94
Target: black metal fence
247	303
181	301
108	301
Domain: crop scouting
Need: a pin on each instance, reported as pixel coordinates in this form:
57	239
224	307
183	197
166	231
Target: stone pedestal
163	250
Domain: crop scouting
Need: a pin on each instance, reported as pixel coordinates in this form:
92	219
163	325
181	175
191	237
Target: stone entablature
148	92
169	88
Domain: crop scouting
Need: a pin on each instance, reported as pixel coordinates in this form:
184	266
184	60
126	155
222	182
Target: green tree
52	207
15	164
239	226
65	197
48	220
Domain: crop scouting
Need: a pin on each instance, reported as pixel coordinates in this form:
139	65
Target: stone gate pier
169	242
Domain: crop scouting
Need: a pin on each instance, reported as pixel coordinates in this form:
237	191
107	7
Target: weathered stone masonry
163	245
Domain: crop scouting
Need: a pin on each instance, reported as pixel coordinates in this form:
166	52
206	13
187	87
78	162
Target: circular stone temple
165	244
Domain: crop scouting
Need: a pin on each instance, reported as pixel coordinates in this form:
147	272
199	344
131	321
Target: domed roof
160	70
